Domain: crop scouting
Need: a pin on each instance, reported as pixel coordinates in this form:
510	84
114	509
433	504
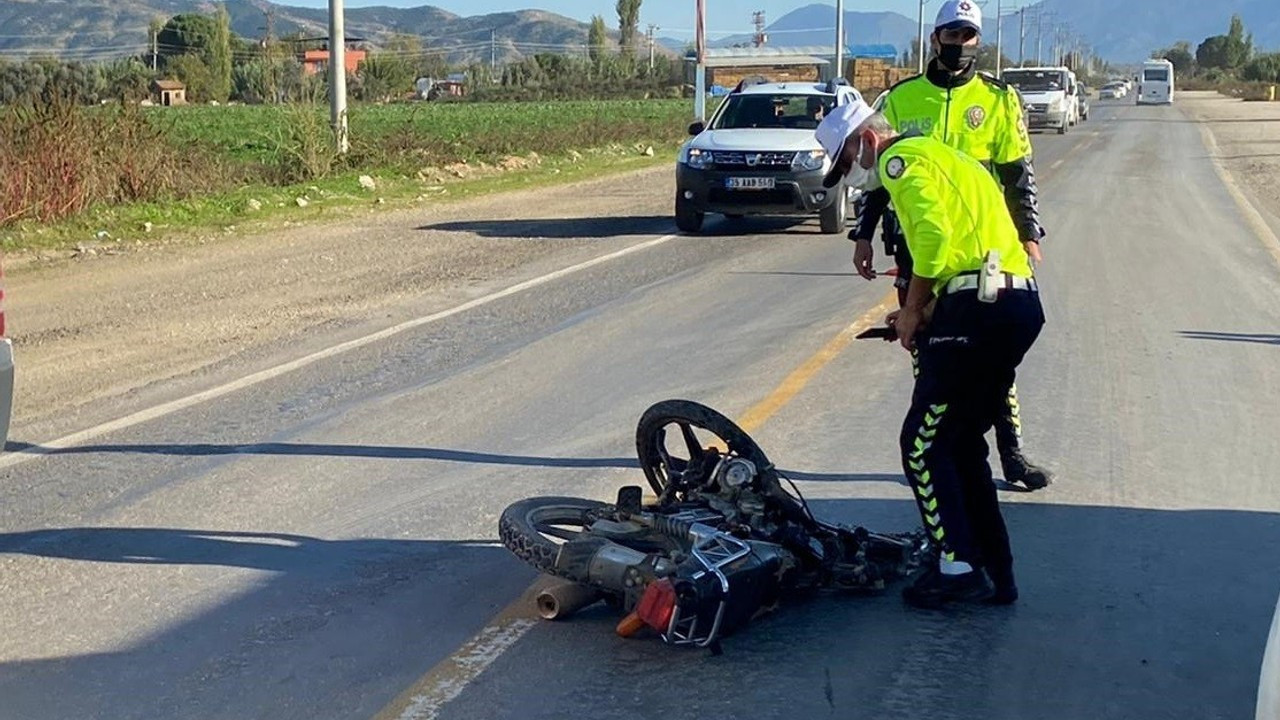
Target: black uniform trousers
968	355
1008	424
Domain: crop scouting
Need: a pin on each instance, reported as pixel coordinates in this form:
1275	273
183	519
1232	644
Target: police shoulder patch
895	167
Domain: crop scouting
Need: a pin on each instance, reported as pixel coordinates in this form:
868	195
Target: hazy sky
675	17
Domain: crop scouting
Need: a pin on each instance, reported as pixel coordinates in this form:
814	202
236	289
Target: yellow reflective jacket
950	208
976	114
981	118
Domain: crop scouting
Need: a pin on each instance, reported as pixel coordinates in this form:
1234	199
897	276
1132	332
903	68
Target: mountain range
96	29
1118	31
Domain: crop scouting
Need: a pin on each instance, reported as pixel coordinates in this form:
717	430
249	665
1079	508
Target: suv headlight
697	159
811	160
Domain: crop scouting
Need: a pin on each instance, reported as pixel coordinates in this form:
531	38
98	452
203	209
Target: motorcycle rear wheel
531	528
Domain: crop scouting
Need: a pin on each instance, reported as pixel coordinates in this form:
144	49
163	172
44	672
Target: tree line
216	65
1231	56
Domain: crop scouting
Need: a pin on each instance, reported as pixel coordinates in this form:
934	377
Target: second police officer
982	117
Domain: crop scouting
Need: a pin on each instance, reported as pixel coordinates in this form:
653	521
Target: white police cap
959	13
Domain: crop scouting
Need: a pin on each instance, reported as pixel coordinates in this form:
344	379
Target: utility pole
839	71
700	71
493	52
920	41
652	27
1022	37
1039	35
338	75
757	18
154	48
999	36
268	50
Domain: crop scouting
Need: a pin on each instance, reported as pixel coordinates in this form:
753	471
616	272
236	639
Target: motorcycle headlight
697	159
811	160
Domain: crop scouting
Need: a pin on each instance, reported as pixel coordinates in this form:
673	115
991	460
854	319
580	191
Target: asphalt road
313	545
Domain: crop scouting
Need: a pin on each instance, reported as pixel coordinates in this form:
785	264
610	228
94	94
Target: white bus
1155	84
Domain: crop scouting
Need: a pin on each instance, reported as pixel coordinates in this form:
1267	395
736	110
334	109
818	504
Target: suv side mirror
697	127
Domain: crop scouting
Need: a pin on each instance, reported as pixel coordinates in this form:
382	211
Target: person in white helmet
982	117
972	310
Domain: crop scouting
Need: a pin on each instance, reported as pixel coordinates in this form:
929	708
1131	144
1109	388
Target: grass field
197	168
449	131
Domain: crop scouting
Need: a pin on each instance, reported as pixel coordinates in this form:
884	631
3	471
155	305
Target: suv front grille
777	196
732	159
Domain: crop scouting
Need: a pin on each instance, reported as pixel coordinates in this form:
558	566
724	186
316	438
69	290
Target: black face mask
957	58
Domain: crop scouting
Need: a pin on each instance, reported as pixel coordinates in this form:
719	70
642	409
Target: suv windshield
761	110
1033	81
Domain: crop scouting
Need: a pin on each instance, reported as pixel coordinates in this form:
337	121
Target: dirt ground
1248	139
98	336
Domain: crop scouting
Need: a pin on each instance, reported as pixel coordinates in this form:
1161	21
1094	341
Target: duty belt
969	281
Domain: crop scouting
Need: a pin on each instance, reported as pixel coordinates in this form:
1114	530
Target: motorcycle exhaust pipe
598	562
564	599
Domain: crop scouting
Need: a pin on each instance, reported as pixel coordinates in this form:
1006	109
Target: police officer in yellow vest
972	310
982	117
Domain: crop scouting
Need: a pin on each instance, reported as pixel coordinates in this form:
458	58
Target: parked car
6	373
757	155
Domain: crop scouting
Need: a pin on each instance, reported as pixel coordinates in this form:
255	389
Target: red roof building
315	61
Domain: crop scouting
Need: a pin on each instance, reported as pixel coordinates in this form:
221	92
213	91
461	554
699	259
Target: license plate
749	183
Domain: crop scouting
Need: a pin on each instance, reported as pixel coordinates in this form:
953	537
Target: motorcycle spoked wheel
534	528
662	467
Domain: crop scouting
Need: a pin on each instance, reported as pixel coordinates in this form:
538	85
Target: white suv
757	155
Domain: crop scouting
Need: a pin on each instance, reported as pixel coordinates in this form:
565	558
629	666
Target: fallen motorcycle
719	544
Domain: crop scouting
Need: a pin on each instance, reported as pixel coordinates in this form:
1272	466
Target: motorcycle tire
518	528
668	412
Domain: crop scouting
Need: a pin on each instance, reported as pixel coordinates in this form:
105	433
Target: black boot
932	589
1018	470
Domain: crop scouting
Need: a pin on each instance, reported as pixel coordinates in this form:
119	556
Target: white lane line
168	408
1057	163
1252	217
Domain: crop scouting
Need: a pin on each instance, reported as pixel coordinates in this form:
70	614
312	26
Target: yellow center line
800	377
426	697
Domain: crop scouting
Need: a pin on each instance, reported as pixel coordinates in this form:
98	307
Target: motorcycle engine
732	489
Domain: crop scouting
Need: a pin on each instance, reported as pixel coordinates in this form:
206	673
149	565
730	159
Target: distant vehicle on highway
1048	94
6	373
757	155
1156	85
1113	90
